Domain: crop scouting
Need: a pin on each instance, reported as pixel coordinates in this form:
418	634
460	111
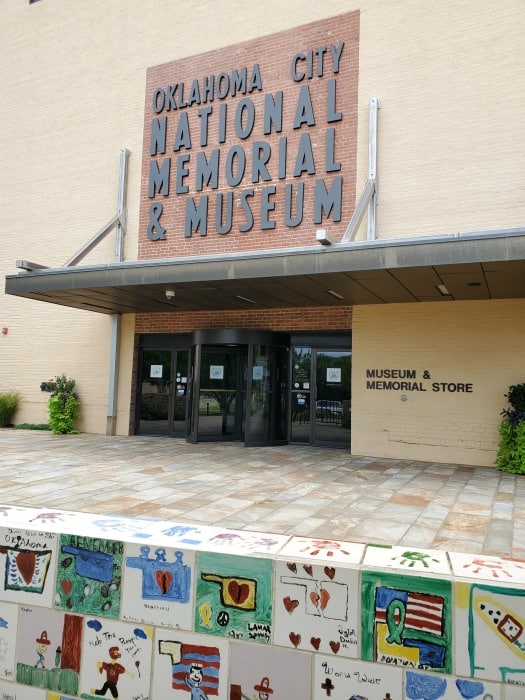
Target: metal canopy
482	265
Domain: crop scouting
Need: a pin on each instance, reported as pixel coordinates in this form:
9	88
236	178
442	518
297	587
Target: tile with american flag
406	621
188	664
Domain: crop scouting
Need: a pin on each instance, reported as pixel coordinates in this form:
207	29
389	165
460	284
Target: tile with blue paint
318	548
89	575
182	534
434	686
317	607
8	630
422	561
341	679
116	659
158	585
27	565
490	632
189	665
488	568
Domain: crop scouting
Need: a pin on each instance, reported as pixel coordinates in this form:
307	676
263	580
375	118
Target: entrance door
321	386
222	393
162	396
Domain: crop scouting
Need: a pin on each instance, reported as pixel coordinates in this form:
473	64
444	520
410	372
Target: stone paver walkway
289	490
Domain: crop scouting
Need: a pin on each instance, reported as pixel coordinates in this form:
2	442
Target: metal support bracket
368	197
119	220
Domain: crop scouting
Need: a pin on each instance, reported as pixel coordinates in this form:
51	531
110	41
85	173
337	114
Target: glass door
163	392
221	393
331	422
320	396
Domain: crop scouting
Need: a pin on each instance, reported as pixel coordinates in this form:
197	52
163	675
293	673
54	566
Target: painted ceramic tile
436	686
158	586
51	520
183	534
514	692
317	607
8	629
424	561
331	550
14	691
89	575
490	632
269	672
489	569
234	596
27	566
58	696
116	659
245	542
343	679
48	649
406	620
189	666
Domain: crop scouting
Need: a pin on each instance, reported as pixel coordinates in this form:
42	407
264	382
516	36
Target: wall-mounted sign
387	379
155	371
257	372
260	136
333	375
216	371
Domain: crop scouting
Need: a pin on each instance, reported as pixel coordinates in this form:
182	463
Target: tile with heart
158	585
422	561
89	575
28	560
234	596
488	568
329	550
317	607
340	679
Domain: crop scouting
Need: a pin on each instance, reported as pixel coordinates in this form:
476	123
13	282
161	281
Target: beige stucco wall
451	151
476	343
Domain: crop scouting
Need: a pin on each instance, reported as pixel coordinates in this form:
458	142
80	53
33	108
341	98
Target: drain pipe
116	319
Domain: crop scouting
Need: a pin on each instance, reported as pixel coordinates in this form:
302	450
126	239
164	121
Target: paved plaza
293	489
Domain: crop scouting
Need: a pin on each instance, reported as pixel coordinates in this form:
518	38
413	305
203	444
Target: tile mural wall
103	606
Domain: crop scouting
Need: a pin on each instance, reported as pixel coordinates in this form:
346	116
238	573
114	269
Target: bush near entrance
62	407
8	406
511	451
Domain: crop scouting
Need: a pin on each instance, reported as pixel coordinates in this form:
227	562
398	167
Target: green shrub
32	426
8	405
62	407
511	450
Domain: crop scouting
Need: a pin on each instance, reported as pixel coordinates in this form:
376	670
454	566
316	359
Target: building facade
267	224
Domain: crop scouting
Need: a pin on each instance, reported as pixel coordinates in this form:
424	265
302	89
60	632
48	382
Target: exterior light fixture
443	290
324	237
335	294
170	294
250	301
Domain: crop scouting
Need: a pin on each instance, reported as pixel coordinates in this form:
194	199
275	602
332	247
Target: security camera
324	237
169	294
